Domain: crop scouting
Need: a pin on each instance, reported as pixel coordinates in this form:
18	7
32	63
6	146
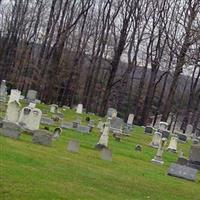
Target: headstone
156	140
54	108
130	119
182	161
138	147
116	124
165	134
60	115
83	129
182	171
31	95
100	125
158	158
11	130
47	121
79	109
148	130
38	101
3	91
76	123
182	137
14	96
42	137
30	118
189	130
103	141
163	126
73	146
32	105
173	144
13	111
66	125
1	122
106	154
111	112
194	158
195	141
57	133
127	129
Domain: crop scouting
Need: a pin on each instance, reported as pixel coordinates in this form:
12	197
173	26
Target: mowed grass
30	171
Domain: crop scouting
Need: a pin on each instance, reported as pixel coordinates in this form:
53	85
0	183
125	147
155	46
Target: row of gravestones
30	97
184	168
43	137
187	168
74	146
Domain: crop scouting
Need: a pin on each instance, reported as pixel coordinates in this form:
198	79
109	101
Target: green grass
30	171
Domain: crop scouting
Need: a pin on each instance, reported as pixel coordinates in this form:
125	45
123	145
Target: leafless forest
139	56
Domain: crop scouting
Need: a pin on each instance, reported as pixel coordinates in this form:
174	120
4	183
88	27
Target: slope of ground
31	171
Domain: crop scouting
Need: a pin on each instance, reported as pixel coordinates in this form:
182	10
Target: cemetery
84	156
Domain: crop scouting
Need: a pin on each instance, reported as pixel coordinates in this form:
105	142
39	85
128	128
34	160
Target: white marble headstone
163	126
30	118
104	137
173	144
53	108
14	95
13	111
157	137
79	109
130	119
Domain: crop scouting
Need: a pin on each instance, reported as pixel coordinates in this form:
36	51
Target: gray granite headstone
31	95
111	111
60	115
106	154
148	130
67	125
11	130
194	158
47	121
3	91
73	146
182	171
42	137
76	123
182	161
83	129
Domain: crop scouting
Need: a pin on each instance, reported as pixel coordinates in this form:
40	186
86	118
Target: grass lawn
34	172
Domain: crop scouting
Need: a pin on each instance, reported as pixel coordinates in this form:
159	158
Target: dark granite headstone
182	137
11	130
57	133
165	134
73	146
148	130
1	122
106	154
182	171
42	137
138	147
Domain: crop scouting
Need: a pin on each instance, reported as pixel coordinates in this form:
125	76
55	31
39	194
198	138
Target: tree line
51	46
